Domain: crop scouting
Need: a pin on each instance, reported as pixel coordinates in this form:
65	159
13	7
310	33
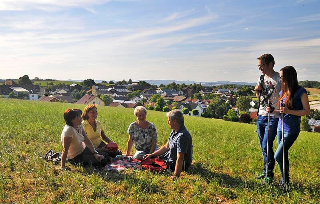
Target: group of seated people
84	140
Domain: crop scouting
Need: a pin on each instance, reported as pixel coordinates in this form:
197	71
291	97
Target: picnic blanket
122	164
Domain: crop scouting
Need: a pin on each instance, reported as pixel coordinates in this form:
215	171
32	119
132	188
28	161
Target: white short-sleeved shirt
77	144
271	87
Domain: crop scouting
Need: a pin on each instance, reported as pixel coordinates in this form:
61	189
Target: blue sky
195	40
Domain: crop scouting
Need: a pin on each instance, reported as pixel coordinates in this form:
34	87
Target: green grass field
227	157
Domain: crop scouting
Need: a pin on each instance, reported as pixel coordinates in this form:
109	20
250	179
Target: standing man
267	90
177	152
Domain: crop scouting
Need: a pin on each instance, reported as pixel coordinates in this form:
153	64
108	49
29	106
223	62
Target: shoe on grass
268	180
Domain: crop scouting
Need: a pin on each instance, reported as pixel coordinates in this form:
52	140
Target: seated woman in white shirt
77	147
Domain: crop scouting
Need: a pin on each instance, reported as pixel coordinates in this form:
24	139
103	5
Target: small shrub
166	109
245	118
185	111
304	124
195	112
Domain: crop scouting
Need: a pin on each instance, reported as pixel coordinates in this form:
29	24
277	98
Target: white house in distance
19	90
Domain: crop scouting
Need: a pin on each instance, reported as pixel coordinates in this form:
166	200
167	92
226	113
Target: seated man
177	152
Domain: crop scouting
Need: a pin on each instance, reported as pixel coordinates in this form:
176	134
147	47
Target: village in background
232	102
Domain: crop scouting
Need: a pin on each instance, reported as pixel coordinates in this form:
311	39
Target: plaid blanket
121	165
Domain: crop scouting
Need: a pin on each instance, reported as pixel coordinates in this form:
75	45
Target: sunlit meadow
226	160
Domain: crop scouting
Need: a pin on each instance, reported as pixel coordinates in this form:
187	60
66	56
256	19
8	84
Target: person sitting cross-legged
177	152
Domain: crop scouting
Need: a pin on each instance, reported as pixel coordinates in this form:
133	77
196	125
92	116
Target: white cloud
179	15
19	5
310	18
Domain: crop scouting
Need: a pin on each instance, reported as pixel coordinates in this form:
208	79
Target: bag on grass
53	156
154	164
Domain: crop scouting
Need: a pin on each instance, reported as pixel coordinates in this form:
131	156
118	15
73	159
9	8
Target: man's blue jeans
262	129
289	139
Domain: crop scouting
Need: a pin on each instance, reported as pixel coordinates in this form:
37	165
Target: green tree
231	116
243	103
155	97
24	80
245	90
197	96
185	111
143	83
217	108
88	83
161	102
76	95
123	82
107	99
143	101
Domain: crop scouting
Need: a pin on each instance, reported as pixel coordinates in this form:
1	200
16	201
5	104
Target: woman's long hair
289	85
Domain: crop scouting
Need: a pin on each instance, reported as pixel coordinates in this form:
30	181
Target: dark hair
267	58
290	78
71	114
86	111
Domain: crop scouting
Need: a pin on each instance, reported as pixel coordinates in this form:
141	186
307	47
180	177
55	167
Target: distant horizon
153	81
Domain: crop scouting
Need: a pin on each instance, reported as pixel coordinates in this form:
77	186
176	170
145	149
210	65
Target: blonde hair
86	111
139	109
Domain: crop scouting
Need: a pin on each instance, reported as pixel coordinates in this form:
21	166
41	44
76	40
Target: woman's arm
129	145
104	137
154	135
66	144
89	144
304	111
153	145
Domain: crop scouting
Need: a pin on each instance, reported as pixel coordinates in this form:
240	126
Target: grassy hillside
226	160
45	83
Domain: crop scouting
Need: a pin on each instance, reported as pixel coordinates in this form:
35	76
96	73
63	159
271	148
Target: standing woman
296	104
95	131
77	147
142	134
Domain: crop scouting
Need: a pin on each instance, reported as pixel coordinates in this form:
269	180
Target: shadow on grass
131	179
225	180
209	176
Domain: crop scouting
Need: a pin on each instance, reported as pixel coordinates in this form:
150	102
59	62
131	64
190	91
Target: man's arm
160	151
179	164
